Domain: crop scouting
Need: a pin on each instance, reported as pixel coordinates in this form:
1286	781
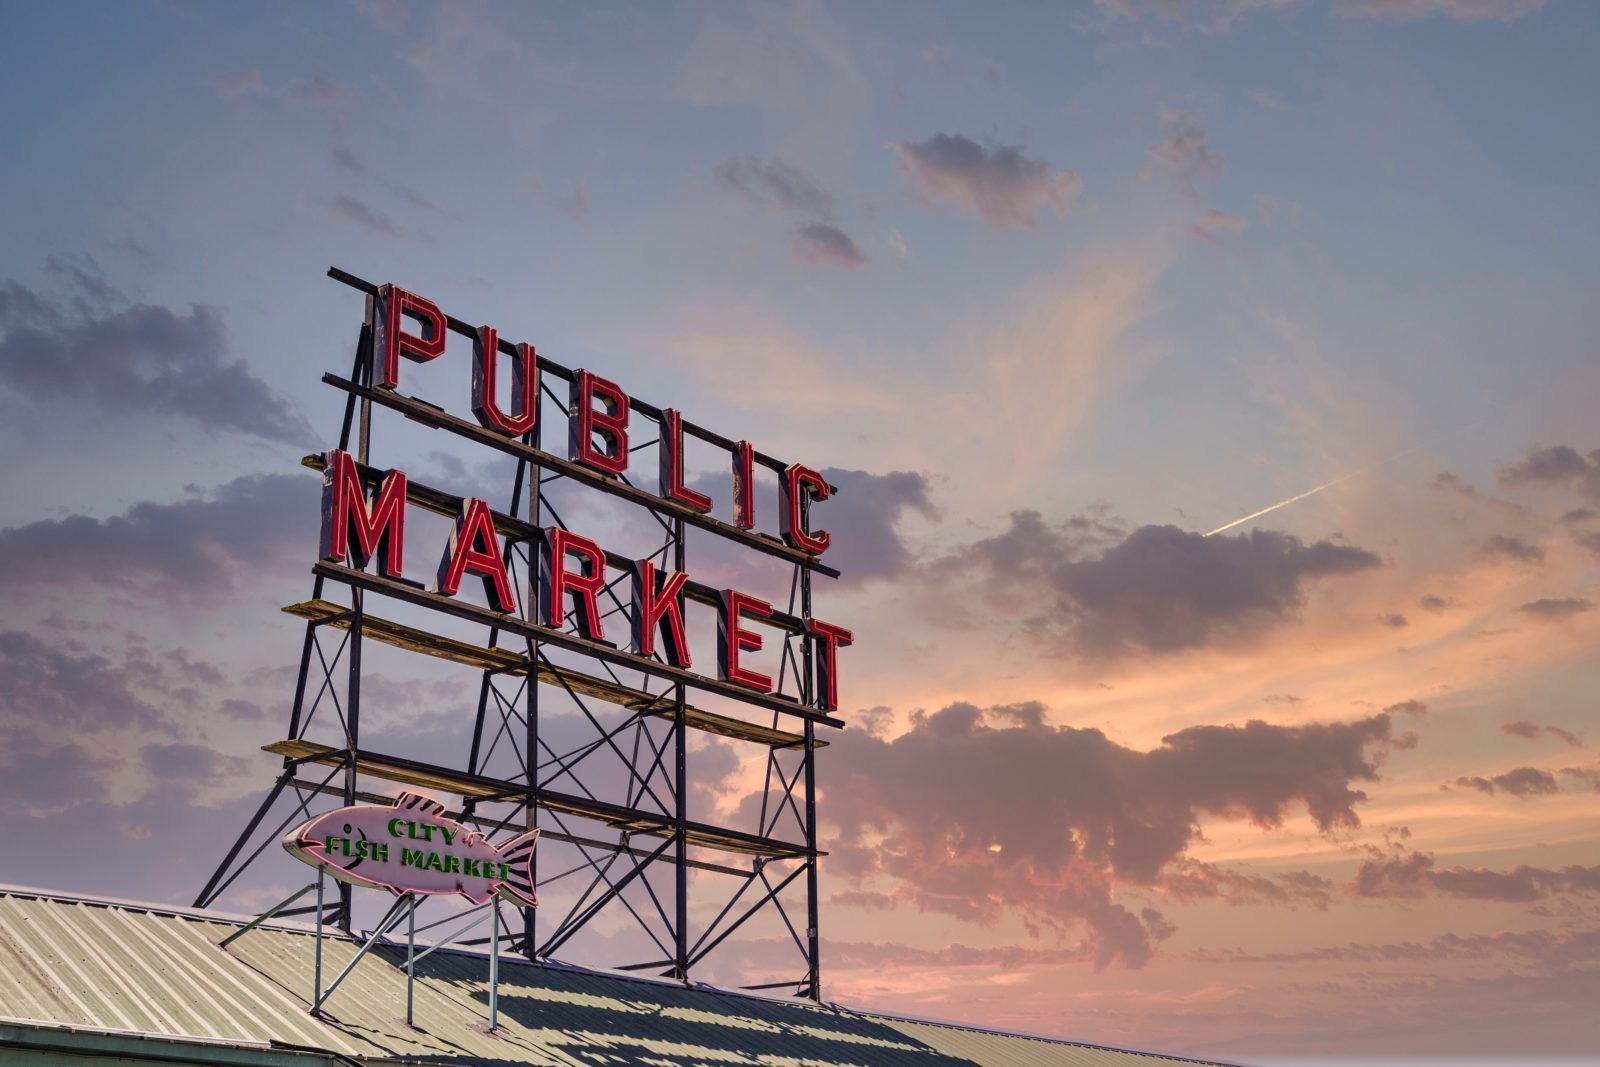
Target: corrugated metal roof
141	968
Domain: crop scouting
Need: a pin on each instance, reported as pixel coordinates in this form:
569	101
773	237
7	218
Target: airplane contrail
1282	503
1310	492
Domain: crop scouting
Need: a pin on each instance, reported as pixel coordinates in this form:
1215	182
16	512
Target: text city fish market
378	521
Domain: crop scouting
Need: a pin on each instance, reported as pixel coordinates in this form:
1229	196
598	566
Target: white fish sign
412	848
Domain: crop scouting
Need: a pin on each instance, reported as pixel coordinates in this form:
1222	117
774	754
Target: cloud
1394	621
1461	10
1515	549
775	184
1557	467
387	15
193	548
350	163
975	813
1433	603
1414	875
574	205
1001	186
1206	15
66	685
1407	707
822	245
135	358
190	763
863	516
1529	729
352	210
1557	609
1185	153
1520	782
1160	588
1542	945
1578	515
1212	220
248	83
318	91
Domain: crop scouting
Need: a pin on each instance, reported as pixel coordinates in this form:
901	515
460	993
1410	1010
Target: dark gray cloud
350	163
973	813
1542	945
1413	875
1160	588
1407	707
64	684
195	547
824	245
1519	782
1557	467
195	764
38	780
1515	549
1185	153
1557	608
1395	621
137	359
1001	186
776	184
318	91
1461	10
1529	729
352	210
862	518
1433	603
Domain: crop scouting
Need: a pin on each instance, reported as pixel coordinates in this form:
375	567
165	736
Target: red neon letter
524	385
670	451
586	421
380	525
659	604
474	546
801	484
830	639
733	639
744	502
393	341
556	581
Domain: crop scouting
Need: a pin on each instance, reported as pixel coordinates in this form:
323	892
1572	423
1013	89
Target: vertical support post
680	790
530	746
808	697
316	982
411	960
494	965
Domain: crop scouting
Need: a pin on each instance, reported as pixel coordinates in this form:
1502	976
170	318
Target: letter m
379	525
411	857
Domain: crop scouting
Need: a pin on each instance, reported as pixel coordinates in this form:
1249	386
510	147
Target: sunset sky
1051	292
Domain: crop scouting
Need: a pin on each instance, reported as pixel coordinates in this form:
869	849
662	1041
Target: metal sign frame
633	840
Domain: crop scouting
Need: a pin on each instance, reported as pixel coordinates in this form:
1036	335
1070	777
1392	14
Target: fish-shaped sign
412	848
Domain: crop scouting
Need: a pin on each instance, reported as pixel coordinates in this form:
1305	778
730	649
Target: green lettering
392	824
435	863
449	834
505	871
381	852
411	857
452	864
328	845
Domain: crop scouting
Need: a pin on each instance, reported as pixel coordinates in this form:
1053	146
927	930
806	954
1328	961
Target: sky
1053	293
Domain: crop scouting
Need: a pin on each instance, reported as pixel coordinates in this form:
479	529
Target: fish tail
518	855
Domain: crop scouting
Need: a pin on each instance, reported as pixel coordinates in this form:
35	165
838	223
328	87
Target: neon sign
412	848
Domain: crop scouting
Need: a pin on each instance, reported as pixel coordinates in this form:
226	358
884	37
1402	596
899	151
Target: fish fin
518	855
420	803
